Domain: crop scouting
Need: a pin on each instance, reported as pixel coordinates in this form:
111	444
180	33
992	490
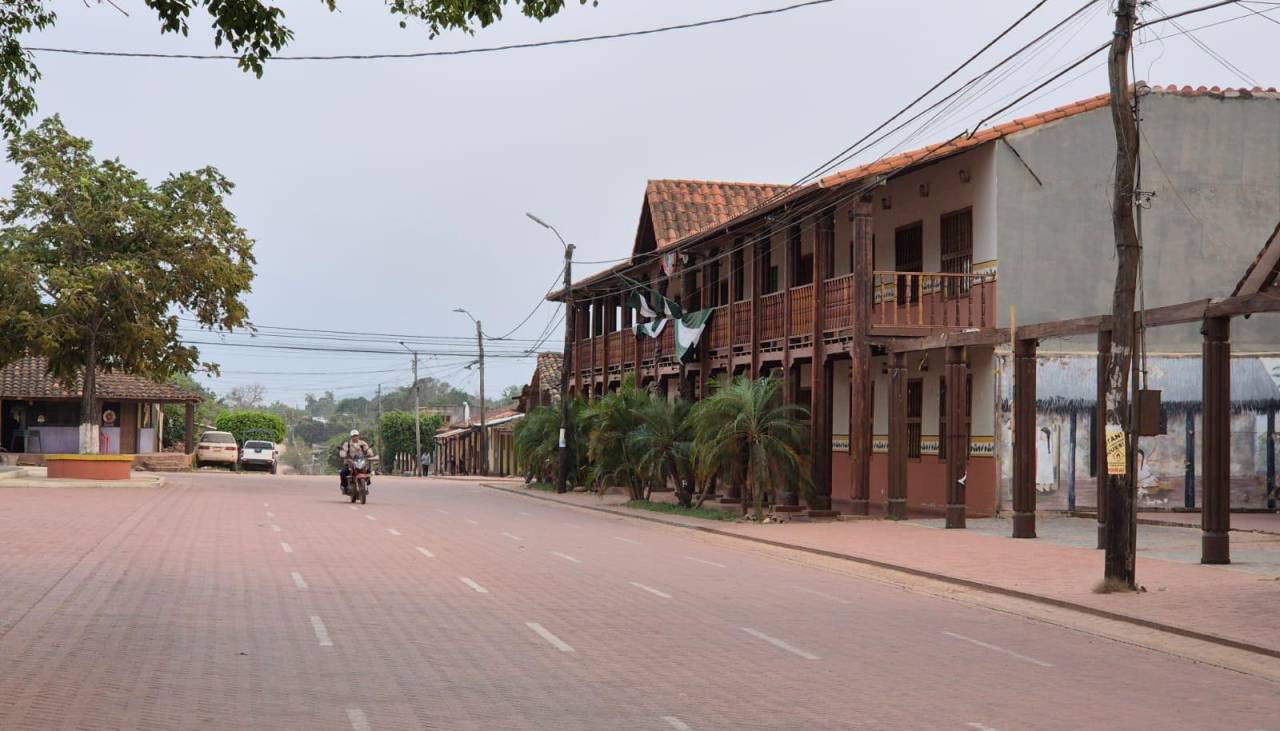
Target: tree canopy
100	264
253	29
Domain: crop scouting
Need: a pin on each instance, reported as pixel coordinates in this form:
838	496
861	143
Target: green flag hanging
653	328
640	303
689	331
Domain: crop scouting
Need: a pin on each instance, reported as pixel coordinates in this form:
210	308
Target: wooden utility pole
566	366
1121	517
484	433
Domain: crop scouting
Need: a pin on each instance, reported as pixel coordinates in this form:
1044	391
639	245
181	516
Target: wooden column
1024	439
823	375
189	428
956	373
861	383
897	503
1100	434
1271	458
757	283
784	283
1215	514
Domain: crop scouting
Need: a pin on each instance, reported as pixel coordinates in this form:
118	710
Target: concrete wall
1214	164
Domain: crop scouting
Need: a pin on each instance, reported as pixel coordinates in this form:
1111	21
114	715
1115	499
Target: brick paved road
232	601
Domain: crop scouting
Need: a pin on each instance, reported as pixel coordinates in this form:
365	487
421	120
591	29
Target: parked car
260	453
217	447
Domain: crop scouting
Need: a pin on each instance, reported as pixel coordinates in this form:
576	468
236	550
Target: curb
968	583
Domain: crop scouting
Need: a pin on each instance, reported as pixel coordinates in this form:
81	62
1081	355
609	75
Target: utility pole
484	434
417	418
1120	488
378	433
566	363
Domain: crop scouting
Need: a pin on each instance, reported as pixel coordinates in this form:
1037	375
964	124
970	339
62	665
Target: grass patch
704	513
543	486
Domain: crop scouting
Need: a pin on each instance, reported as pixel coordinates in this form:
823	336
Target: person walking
425	460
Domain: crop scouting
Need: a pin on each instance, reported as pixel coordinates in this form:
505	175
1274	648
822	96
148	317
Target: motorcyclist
350	449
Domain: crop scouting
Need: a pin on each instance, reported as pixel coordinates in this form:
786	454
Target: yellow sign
1115	451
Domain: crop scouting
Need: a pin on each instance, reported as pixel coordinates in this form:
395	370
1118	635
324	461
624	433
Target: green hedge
241	423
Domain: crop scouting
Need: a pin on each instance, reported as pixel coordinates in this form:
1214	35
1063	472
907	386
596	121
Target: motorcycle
358	481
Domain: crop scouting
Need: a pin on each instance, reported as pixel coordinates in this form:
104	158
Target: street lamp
566	427
417	418
484	437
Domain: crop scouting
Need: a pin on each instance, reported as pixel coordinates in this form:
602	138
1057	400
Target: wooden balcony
915	301
903	304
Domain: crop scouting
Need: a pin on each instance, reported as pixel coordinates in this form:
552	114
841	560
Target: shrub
243	424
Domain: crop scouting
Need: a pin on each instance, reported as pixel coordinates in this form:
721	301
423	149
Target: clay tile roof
549	368
681	208
29	378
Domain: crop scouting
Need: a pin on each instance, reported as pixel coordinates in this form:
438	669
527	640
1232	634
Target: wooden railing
928	300
742	322
901	301
837	303
801	310
771	312
718	337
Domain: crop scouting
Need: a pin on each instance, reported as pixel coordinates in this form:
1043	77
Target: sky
384	194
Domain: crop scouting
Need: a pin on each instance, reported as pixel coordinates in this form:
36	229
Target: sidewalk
1230	605
36	477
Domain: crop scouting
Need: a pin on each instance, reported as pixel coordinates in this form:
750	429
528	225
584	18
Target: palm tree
744	426
536	439
610	421
662	445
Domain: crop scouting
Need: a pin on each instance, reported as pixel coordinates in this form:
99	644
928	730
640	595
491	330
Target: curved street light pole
566	365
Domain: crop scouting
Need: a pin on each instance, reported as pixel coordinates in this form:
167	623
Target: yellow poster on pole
1116	462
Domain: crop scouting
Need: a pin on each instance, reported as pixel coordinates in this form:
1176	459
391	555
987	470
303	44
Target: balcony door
908	247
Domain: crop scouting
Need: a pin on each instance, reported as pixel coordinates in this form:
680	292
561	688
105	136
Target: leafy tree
243	423
512	392
315	432
744	423
107	261
397	435
537	442
322	406
254	29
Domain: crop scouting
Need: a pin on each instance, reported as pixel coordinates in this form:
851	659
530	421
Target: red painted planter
89	466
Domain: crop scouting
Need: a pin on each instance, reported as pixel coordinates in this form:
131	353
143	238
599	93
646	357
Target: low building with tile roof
39	414
1002	225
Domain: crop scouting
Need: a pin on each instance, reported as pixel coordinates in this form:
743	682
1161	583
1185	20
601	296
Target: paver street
447	605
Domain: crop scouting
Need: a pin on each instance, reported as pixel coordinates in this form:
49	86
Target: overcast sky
383	194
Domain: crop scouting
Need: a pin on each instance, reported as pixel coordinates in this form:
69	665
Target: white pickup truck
260	453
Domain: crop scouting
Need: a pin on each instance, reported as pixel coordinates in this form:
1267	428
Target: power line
430	54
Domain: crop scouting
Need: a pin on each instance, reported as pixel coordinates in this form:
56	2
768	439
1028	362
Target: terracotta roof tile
29	378
681	208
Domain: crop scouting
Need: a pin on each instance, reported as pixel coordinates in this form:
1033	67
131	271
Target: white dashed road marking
979	726
780	644
572	525
442	510
266	505
359	721
370	517
473	522
559	644
651	590
514	538
270	514
287	548
353	507
709	563
527	515
298	580
676	723
824	596
425	552
322	634
473	585
989	646
626	540
565	556
393	531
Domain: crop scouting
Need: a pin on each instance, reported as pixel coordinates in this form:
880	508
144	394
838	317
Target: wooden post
957	375
1189	473
1271	458
1024	439
784	283
897	499
189	428
1100	435
757	283
1215	514
821	399
861	383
